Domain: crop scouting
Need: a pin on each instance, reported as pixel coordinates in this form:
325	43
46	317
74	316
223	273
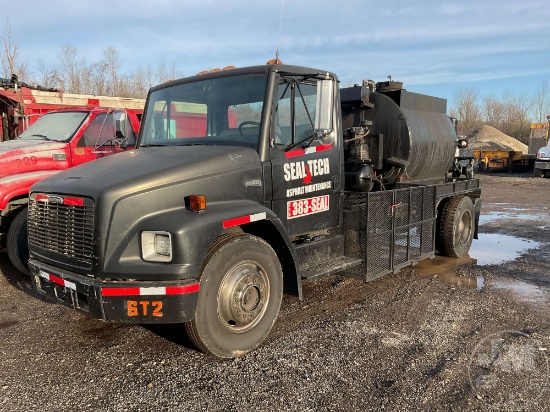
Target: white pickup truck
542	163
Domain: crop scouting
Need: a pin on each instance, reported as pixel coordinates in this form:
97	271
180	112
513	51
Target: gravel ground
471	334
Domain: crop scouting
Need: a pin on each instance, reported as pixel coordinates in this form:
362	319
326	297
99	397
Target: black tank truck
245	183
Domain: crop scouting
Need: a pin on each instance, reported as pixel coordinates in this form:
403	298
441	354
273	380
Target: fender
192	236
17	186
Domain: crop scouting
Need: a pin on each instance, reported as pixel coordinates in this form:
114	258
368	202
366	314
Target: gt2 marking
144	307
309	206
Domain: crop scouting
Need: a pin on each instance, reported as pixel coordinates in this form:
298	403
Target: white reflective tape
310	150
152	291
44	275
69	285
258	216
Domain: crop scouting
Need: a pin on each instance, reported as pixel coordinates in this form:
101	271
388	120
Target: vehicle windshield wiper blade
310	138
43	136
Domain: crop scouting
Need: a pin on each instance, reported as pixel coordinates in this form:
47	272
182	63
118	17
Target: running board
329	267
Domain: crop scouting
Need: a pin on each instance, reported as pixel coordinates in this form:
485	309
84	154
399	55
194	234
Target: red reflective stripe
57	279
119	291
322	147
73	201
169	290
180	290
38	198
309	150
236	222
295	153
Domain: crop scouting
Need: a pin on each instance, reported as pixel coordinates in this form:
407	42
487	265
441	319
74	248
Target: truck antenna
279	34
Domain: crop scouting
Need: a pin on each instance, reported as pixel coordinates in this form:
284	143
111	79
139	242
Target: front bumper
544	165
118	301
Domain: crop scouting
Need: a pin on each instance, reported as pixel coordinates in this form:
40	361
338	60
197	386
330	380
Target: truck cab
244	183
56	141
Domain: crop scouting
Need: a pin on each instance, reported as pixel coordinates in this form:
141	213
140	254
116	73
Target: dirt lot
467	335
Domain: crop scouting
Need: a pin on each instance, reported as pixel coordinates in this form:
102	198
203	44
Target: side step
329	267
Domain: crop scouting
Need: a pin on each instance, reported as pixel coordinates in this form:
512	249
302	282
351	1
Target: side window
130	135
295	111
100	130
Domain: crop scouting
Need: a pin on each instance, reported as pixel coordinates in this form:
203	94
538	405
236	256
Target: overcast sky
434	47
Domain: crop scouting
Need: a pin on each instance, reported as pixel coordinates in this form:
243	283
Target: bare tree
467	110
10	56
494	112
48	76
71	76
112	66
541	103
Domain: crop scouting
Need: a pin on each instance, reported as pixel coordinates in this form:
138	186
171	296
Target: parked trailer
208	231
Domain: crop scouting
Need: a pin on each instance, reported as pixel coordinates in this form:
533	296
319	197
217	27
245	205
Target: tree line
510	113
73	74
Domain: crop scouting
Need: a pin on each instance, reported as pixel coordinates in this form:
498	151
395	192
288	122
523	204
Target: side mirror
120	125
324	106
325	136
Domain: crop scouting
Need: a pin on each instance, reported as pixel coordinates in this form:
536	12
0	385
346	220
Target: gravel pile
489	138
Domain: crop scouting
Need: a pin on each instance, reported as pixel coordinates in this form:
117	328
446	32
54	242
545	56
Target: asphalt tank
394	136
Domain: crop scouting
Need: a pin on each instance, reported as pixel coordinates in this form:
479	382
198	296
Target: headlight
156	246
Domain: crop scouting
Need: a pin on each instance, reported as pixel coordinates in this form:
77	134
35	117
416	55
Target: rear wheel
17	242
456	227
239	299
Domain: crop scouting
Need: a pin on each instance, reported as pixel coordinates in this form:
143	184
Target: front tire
456	227
17	242
540	173
239	299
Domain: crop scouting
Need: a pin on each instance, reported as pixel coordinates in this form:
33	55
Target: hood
20	156
544	152
151	168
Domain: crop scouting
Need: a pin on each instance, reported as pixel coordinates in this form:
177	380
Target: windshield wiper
310	138
43	136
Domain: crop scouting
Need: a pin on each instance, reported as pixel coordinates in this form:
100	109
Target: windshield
222	111
58	126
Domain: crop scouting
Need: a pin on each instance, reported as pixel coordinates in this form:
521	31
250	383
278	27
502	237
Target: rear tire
239	299
17	242
456	227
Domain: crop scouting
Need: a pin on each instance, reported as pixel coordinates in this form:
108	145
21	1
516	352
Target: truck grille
65	229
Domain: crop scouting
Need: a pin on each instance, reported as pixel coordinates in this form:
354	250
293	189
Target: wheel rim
243	296
464	228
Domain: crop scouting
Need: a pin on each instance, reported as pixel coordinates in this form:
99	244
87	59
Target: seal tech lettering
306	169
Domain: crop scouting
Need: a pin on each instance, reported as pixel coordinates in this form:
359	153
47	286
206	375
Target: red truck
56	141
22	104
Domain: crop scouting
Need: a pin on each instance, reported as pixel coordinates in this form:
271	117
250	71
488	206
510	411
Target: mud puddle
523	290
495	248
445	268
516	213
489	249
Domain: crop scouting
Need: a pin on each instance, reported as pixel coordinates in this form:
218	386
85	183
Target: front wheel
17	242
540	173
239	299
456	227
